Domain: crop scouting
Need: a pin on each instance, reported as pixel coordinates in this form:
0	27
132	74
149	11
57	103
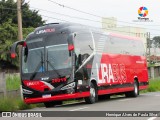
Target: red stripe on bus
57	97
116	90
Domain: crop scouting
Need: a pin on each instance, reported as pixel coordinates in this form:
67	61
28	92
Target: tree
156	40
9	28
8	36
30	18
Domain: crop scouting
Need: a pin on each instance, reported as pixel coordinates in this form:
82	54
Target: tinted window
119	46
83	43
115	45
125	46
59	38
33	60
138	48
101	42
58	57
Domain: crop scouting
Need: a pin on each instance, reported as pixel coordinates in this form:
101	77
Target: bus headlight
71	85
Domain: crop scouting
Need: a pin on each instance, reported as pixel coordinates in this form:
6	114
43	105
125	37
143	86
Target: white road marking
79	109
152	118
124	100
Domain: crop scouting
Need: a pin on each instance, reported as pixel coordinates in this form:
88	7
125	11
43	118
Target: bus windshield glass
46	54
58	57
34	59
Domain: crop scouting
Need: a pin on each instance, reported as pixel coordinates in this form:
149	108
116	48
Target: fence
154	72
11	93
3	84
3	89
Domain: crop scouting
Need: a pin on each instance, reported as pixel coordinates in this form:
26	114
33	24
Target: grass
12	82
13	104
154	85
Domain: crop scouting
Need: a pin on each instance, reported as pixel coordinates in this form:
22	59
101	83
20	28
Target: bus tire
93	94
135	92
52	104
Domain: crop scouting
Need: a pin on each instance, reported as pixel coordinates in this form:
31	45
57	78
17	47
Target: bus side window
83	44
101	42
137	48
140	48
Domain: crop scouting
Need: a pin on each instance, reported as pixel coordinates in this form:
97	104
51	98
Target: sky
126	11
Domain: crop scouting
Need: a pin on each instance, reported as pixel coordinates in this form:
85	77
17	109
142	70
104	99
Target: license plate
46	96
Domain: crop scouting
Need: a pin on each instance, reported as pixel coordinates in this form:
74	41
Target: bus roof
75	26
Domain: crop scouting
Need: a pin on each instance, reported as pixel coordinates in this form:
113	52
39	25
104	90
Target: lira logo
45	31
111	73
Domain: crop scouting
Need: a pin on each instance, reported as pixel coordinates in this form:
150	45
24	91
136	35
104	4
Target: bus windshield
58	57
45	54
34	59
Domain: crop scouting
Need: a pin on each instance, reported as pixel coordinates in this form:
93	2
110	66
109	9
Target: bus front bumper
56	98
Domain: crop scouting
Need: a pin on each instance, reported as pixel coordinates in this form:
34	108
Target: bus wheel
52	104
93	95
135	92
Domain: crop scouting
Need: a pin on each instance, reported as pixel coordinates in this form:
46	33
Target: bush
13	104
154	85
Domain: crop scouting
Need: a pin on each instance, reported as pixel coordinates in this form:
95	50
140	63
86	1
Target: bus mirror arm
14	46
69	53
79	59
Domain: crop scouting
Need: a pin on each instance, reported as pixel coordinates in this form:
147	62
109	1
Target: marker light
70	47
24	44
13	55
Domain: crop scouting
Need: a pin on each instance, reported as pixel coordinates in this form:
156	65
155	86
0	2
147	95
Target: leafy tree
9	29
30	18
156	40
7	10
8	36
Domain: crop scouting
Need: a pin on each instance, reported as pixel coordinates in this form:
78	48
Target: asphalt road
144	102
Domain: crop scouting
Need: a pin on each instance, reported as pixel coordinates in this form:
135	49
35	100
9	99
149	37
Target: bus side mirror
14	46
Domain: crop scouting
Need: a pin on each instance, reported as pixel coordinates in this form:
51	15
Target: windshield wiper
52	66
90	47
37	68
